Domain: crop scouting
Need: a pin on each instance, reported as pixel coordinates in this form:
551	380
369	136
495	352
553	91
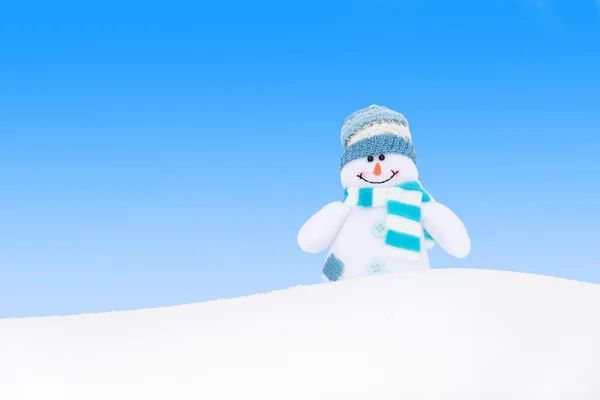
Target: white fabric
356	246
380	129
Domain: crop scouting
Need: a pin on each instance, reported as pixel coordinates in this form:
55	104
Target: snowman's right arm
320	230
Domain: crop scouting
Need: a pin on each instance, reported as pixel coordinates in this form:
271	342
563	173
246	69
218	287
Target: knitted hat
375	130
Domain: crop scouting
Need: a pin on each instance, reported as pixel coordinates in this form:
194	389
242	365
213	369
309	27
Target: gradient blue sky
155	155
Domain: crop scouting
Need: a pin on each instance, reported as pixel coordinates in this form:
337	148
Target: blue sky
154	155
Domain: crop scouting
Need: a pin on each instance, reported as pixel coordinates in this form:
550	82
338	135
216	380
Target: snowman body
359	248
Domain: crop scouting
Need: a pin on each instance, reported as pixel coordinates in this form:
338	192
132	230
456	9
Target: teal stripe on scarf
365	197
404	210
403	241
427	235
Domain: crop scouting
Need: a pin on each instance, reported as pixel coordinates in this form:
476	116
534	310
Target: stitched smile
394	173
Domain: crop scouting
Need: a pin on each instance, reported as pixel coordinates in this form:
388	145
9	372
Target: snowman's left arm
321	229
446	228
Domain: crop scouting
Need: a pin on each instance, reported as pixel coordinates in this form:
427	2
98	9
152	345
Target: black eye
370	159
381	157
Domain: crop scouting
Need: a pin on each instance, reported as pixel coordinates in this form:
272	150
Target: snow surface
439	334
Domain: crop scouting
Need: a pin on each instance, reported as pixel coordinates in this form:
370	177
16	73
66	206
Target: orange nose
377	170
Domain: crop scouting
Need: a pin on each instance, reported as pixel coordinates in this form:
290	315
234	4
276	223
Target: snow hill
440	334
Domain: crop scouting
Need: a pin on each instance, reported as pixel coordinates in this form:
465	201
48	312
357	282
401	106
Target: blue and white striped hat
375	130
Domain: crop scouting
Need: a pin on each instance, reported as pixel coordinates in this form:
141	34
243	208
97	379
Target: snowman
387	220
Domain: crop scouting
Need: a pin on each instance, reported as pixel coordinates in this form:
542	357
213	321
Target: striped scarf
403	220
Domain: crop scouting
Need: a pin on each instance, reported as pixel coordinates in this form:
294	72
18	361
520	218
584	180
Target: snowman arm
446	228
320	230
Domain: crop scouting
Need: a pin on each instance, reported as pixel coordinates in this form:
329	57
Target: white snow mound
439	334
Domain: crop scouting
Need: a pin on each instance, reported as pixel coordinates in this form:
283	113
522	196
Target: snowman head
380	170
378	150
